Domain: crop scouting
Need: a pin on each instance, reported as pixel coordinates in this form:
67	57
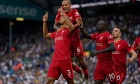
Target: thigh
66	69
77	48
110	73
98	74
54	70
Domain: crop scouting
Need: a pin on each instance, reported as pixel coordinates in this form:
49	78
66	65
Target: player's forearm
45	30
108	49
68	22
76	25
134	55
85	34
55	26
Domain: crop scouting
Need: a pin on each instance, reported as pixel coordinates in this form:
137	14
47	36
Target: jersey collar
118	41
69	13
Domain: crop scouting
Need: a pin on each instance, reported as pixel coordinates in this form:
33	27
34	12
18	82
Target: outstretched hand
95	53
45	17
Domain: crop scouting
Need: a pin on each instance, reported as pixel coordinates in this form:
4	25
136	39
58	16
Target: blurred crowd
31	53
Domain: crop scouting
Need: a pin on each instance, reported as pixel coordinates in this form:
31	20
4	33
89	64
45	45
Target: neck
102	31
68	12
117	39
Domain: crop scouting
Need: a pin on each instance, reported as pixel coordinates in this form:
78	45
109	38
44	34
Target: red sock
85	73
77	69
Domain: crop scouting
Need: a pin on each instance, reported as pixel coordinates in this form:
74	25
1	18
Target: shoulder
137	39
124	41
74	10
108	34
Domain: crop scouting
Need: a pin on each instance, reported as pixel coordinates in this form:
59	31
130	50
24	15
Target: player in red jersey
104	46
119	55
136	47
76	43
61	61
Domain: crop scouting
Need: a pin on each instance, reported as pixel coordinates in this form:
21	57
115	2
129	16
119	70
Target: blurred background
25	55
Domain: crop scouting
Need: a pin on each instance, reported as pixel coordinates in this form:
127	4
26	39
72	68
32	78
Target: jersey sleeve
76	14
109	38
93	36
53	35
57	17
135	44
127	47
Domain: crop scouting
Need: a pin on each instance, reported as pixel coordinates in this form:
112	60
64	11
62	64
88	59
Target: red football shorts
63	67
77	48
105	70
121	76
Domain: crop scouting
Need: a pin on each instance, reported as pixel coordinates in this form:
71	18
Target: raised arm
68	22
84	33
78	23
45	30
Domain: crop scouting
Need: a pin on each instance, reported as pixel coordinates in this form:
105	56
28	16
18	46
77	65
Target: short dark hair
68	1
119	27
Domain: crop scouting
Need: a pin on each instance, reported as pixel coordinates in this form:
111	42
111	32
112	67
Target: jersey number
69	73
78	50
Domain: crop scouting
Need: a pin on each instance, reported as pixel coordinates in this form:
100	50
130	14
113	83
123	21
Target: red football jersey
62	44
119	55
73	15
136	43
102	42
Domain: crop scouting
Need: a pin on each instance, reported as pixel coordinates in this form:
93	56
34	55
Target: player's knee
50	81
70	81
73	65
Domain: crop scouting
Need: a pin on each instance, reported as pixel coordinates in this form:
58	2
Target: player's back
119	55
62	45
102	42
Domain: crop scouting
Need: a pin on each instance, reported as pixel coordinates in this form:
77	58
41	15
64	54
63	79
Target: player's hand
95	53
129	60
138	47
45	17
61	12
